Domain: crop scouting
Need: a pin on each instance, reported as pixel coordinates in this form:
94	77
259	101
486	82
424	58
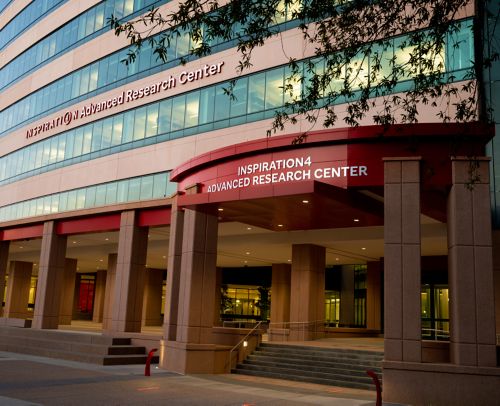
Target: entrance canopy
279	183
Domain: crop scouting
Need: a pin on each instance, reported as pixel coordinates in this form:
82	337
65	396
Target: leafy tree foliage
346	36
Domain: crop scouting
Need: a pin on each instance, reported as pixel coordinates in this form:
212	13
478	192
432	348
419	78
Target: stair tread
309	379
343	367
300	372
331	366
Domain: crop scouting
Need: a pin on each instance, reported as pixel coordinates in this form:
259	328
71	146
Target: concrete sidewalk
30	380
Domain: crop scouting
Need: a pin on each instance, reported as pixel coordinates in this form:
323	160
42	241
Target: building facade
143	200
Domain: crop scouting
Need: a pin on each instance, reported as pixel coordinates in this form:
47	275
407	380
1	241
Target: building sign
127	96
270	172
285	170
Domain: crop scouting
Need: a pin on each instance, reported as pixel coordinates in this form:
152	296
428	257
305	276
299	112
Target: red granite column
373	296
151	308
191	295
128	293
470	265
307	293
18	290
50	278
100	292
496	276
68	292
198	278
4	260
402	277
109	292
173	272
280	303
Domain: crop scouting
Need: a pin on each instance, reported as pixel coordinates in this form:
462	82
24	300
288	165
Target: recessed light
248	253
356	220
74	242
107	239
363	248
220	209
249	228
305	201
280	225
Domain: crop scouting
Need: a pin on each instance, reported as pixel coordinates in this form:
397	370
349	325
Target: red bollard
147	370
376	381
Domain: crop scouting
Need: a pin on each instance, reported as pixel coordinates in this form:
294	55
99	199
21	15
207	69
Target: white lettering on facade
126	97
285	170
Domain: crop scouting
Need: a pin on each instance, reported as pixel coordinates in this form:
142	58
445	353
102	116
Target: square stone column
18	290
100	291
173	273
374	296
193	274
196	312
151	307
470	265
280	303
50	278
4	260
68	292
128	294
307	293
347	297
402	260
109	292
496	276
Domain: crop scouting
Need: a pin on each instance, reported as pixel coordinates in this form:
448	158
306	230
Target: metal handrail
242	341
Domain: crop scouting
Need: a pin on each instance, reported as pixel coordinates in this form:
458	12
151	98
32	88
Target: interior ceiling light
247	253
356	220
363	248
305	201
249	228
220	209
280	225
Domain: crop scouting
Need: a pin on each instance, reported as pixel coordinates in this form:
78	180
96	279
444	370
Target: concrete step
318	351
324	373
321	381
82	347
319	366
332	358
329	366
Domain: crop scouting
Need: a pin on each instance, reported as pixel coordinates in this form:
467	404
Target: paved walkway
29	380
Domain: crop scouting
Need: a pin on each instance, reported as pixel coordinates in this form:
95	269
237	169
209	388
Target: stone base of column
190	358
278	334
13	322
425	384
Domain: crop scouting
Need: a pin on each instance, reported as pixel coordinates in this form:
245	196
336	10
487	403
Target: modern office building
147	202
